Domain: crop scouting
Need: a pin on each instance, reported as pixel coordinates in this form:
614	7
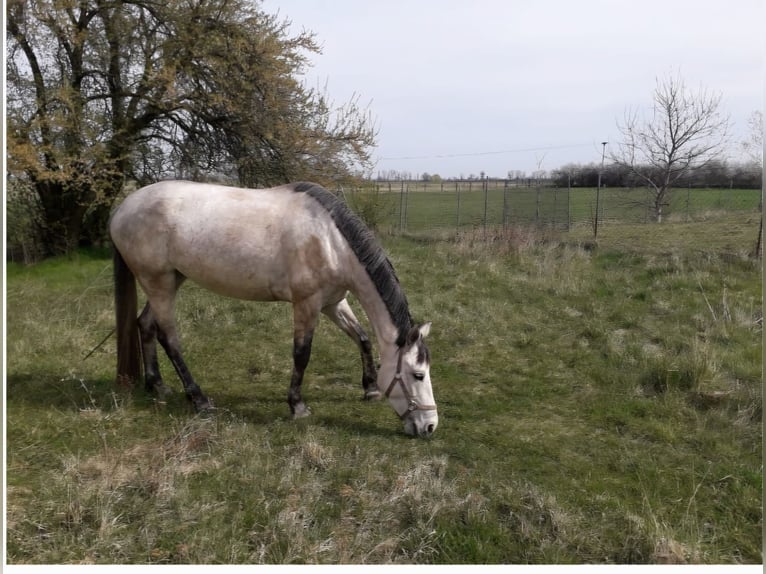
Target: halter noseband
412	404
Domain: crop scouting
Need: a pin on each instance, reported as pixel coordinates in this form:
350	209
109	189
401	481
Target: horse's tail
126	308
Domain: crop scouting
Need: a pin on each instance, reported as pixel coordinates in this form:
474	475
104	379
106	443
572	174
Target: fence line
451	206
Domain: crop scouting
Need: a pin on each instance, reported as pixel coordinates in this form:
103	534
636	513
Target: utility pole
598	189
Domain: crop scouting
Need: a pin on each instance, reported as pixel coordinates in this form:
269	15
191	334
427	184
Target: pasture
425	208
598	404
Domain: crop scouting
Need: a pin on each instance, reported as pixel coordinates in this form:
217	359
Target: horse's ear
417	333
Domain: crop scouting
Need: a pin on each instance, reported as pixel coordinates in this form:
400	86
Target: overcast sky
461	87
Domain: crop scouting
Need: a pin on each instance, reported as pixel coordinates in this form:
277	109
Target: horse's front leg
301	355
305	316
342	315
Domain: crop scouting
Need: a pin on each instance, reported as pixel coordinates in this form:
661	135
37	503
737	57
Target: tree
684	131
575	175
715	173
105	91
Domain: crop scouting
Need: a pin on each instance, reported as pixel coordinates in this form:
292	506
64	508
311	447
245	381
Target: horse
296	243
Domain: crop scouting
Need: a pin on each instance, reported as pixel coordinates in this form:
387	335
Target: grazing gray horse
296	243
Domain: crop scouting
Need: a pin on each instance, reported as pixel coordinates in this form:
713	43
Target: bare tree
684	131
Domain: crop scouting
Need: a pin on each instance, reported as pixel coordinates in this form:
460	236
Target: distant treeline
714	174
717	174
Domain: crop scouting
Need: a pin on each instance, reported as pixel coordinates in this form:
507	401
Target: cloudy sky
461	87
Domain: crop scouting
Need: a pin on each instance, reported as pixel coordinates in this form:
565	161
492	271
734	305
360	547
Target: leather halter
412	404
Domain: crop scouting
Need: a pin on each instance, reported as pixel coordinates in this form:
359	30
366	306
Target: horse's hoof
301	411
372	395
203	405
162	390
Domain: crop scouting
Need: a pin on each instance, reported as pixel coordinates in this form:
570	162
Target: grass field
426	209
599	403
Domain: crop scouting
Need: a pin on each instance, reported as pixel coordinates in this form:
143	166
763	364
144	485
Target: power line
484	153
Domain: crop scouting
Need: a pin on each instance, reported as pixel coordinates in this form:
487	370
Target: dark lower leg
342	315
301	355
147	328
369	372
193	392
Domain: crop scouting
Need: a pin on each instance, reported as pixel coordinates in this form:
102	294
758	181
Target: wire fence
447	208
443	208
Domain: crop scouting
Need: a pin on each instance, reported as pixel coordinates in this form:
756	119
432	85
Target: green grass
597	405
427	209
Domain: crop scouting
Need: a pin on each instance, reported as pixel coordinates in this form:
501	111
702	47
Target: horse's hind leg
147	328
342	315
161	291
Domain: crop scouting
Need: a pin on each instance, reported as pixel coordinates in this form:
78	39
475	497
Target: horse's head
409	391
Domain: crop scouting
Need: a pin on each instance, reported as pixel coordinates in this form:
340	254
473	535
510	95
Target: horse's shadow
47	391
44	391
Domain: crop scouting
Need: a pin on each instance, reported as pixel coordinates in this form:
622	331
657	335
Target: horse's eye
419	376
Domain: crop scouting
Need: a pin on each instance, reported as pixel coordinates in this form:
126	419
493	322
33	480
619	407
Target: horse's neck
384	328
386	332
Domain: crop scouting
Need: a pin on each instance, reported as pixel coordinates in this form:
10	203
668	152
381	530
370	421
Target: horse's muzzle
423	428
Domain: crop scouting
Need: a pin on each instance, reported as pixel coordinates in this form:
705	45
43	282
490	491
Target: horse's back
263	244
189	205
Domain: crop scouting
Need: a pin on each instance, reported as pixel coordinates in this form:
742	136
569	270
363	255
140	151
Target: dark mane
368	252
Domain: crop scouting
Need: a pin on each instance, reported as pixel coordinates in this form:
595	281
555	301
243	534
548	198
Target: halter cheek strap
412	404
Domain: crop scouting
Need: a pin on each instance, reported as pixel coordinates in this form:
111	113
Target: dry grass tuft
98	486
505	240
669	551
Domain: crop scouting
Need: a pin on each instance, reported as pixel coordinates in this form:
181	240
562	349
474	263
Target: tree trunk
62	214
661	200
658	206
